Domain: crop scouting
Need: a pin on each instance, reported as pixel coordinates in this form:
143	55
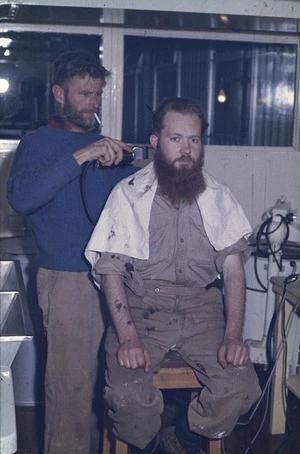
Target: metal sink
15	322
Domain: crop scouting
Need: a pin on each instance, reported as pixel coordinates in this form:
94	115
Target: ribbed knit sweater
46	184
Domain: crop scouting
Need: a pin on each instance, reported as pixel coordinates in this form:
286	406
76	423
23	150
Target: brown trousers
192	322
74	328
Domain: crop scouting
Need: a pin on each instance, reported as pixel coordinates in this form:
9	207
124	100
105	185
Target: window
25	71
256	80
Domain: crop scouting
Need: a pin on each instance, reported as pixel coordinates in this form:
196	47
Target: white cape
123	226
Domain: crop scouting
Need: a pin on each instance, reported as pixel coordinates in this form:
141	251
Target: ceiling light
5	42
4	85
221	96
224	19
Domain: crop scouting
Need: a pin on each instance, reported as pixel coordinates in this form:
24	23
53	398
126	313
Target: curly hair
77	63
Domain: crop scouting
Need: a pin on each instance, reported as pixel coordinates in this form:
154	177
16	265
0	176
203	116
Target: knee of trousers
215	415
135	420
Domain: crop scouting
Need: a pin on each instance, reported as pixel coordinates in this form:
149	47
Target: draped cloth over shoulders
123	226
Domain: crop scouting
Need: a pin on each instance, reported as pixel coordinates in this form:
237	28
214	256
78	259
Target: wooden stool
174	374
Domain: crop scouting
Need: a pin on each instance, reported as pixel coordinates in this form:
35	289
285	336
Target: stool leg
109	441
121	448
110	444
214	447
106	446
115	447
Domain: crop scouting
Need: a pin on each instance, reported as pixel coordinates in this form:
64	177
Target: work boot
170	444
149	449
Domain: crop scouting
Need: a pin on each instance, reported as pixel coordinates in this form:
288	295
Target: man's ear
59	94
154	141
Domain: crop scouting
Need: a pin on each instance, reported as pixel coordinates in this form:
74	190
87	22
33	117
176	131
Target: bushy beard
179	184
77	117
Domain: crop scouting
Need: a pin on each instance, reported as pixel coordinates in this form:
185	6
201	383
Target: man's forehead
86	79
181	118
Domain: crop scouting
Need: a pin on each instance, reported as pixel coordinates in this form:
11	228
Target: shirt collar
64	122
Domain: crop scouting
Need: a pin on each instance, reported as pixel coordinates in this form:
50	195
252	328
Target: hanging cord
291	434
263	288
83	191
138	153
265	232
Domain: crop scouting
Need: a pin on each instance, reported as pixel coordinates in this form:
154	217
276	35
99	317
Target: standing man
166	233
55	182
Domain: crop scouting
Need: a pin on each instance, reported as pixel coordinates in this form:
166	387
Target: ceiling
16	13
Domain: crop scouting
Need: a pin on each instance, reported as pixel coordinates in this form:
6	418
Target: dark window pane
258	81
25	63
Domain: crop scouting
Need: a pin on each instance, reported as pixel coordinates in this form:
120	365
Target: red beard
183	184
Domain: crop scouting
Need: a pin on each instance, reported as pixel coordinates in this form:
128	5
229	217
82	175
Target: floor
245	439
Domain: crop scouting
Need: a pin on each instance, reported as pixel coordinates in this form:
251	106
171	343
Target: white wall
268	8
259	178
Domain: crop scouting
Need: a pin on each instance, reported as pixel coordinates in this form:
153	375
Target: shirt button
156	290
179	271
181	240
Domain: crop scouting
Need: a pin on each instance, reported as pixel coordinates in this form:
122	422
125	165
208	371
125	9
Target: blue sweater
45	184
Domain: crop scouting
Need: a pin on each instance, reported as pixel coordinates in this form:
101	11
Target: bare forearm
131	353
117	303
234	287
232	349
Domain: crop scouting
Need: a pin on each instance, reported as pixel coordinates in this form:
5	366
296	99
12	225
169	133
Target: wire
282	345
284	365
283	444
262	421
83	192
269	346
256	290
280	348
257	276
265	232
290	440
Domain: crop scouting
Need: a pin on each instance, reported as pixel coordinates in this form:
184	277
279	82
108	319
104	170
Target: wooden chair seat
174	374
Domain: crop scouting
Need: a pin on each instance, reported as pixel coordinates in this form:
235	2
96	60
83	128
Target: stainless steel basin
15	322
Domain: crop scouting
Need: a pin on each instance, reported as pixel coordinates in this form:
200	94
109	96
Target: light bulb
4	85
221	96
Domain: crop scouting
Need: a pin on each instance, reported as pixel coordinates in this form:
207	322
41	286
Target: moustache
89	111
185	158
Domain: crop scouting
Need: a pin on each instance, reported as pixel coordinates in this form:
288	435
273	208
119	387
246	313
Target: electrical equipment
273	256
256	301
